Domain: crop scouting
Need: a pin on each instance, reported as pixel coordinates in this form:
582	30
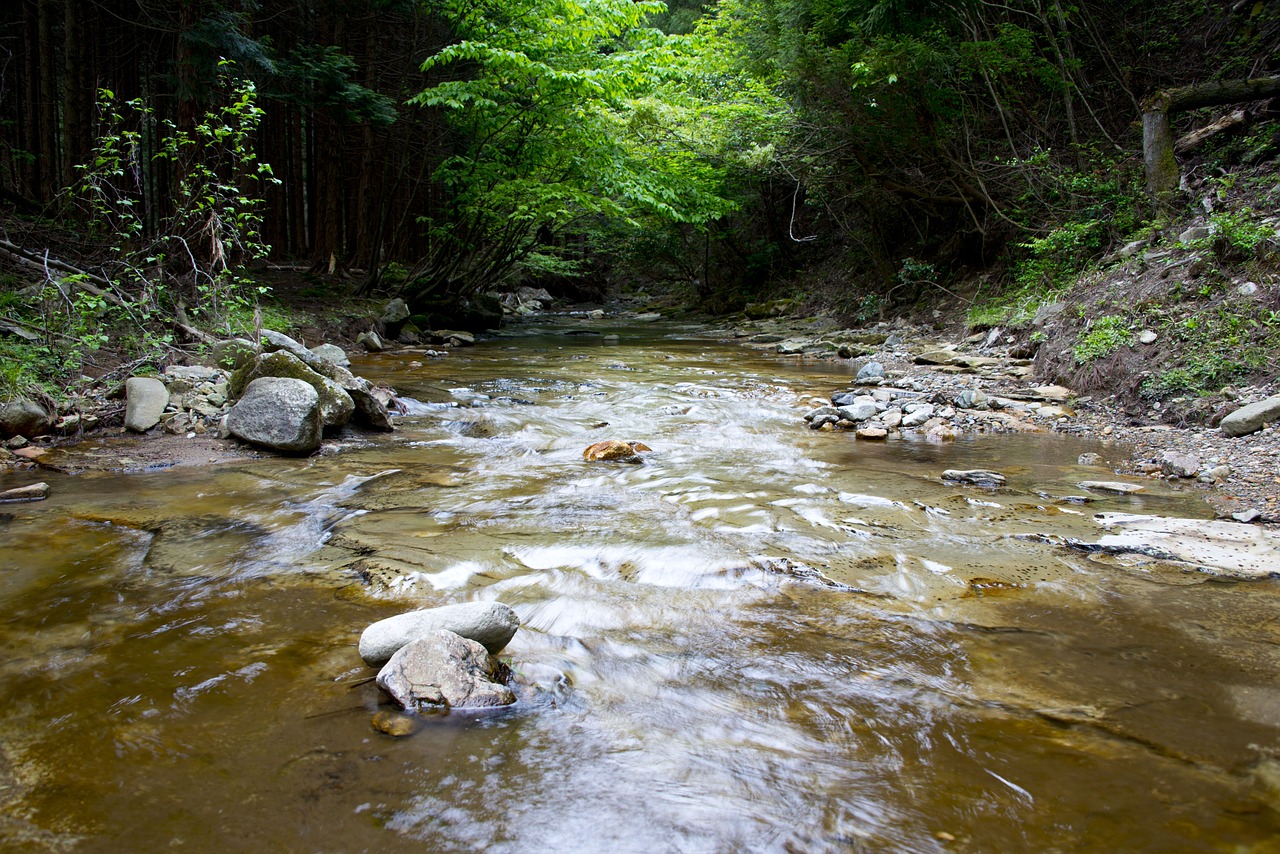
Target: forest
863	154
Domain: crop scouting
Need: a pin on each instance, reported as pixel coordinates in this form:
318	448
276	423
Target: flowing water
761	639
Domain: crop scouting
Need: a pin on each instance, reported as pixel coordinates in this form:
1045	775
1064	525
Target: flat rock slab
1114	486
1228	549
1251	418
31	492
490	624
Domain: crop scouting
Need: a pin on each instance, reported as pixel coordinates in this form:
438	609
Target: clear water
760	639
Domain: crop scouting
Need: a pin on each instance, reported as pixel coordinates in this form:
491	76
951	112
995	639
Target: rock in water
443	669
1228	549
31	492
977	477
613	449
146	398
491	624
1251	418
279	413
1117	487
396	724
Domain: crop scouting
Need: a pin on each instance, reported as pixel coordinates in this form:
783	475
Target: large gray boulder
490	624
332	354
336	405
25	418
1251	418
443	669
145	400
279	413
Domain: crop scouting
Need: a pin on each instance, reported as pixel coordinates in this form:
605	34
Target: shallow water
762	638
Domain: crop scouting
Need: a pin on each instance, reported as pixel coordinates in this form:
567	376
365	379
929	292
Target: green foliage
193	246
1101	338
1241	230
572	110
1217	346
25	369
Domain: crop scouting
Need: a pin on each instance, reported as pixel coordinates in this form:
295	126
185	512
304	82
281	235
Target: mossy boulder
336	405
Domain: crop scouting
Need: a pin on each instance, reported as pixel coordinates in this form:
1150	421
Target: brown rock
31	453
872	433
396	724
614	449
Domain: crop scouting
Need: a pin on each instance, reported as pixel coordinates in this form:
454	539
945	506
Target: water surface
762	638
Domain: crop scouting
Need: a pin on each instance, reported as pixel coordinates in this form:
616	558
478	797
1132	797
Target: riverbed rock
336	405
872	373
1113	486
1178	464
1228	549
30	492
490	624
395	724
972	399
454	337
792	346
145	400
615	450
934	357
279	413
917	414
370	411
976	477
443	669
25	418
822	416
1251	418
872	434
394	312
859	410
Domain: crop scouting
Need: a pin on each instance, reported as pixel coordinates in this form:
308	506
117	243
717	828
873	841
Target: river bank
943	362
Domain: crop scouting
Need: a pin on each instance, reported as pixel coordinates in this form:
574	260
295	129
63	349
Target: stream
762	638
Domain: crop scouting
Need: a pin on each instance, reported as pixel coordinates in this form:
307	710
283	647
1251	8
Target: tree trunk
1157	137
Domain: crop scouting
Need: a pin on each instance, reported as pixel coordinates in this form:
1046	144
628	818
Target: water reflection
761	638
